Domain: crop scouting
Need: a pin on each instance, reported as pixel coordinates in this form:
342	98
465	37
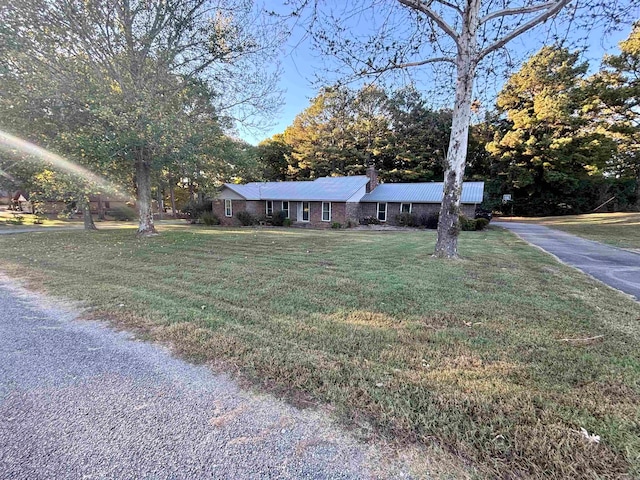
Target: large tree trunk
466	62
143	188
85	204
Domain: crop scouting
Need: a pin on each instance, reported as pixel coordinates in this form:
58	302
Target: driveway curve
613	266
78	400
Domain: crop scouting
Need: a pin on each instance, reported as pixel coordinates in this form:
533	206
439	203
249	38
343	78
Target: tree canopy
139	84
547	147
345	130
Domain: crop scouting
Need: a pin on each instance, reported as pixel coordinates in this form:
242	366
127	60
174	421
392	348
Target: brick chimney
373	178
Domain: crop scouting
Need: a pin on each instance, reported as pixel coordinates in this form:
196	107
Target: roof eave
230	187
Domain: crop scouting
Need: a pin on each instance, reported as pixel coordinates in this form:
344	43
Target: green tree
320	137
547	147
156	66
274	154
615	106
344	130
419	138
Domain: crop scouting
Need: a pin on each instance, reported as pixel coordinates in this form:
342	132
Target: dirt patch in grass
467	356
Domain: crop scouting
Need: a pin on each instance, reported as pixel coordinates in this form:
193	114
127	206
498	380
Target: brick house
326	200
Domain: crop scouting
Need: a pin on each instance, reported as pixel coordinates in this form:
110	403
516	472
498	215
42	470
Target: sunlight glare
11	142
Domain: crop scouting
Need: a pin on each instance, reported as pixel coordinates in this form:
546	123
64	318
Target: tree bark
86	213
160	199
466	62
143	188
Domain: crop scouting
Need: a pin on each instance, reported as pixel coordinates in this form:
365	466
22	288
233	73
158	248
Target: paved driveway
78	400
616	267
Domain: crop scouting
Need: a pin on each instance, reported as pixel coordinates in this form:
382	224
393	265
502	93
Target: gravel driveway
78	400
617	268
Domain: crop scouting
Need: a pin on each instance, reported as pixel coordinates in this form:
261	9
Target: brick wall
419	209
258	208
353	211
236	206
340	211
338	214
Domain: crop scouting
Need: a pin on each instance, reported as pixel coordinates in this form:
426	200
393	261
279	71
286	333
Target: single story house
326	200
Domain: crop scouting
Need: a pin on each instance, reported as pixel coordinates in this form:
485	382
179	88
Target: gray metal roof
431	192
250	191
328	189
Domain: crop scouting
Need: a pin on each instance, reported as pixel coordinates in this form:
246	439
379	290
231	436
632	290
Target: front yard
484	357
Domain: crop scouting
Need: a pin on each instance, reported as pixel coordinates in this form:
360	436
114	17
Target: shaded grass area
621	229
481	356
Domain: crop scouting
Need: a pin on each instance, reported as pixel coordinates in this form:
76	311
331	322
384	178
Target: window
285	209
269	208
228	208
107	205
405	208
382	212
305	211
326	211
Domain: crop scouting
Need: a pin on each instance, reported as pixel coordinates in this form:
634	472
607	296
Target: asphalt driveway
78	400
613	266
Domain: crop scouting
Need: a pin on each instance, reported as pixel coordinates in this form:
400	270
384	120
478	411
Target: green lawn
469	355
619	229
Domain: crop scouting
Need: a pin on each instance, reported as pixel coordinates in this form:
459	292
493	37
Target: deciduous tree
148	57
416	33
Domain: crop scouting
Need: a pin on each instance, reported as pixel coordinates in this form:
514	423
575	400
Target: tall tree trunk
101	212
143	188
466	62
85	204
172	193
160	200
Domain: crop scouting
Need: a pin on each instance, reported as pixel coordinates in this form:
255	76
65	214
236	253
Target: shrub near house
345	200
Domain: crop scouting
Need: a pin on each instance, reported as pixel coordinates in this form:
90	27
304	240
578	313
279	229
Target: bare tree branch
553	8
451	5
397	66
517	11
426	9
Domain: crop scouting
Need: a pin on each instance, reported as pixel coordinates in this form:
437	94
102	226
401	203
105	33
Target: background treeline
559	140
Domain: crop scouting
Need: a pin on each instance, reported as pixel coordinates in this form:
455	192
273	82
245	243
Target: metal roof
250	191
328	189
431	192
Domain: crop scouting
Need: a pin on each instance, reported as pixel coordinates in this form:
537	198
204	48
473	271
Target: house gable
227	194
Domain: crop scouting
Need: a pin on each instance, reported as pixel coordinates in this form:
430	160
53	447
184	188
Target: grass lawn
620	229
481	357
8	220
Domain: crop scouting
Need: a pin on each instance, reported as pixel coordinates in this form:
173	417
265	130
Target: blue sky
301	64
